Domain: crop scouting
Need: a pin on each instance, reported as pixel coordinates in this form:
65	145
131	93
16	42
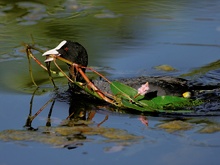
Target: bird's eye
66	49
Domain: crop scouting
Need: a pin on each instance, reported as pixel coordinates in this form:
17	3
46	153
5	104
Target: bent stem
48	124
89	83
105	96
71	63
49	73
29	118
47	68
55	63
42	108
105	119
93	70
29	54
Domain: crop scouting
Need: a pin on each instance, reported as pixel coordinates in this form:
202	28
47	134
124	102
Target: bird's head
72	51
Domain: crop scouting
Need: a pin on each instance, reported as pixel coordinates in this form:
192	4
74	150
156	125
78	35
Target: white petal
49	52
60	45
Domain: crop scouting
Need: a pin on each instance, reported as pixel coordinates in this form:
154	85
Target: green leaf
149	108
168	104
119	89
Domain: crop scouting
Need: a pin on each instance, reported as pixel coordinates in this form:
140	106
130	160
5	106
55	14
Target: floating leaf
119	89
168	104
175	125
64	136
166	68
212	128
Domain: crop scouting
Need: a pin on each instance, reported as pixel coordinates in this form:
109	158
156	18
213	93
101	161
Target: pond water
123	39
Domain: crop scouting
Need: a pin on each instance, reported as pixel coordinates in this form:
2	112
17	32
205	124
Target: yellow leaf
166	68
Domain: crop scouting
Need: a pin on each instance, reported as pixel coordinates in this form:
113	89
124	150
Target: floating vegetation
64	136
166	68
211	128
176	125
179	125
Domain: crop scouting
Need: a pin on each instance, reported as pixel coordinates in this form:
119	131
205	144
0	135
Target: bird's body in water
74	52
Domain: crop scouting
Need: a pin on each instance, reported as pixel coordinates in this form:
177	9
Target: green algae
62	136
211	128
176	125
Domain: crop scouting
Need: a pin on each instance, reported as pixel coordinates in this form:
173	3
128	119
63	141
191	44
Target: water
124	39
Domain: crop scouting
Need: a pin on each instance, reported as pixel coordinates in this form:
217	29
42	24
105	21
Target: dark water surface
123	39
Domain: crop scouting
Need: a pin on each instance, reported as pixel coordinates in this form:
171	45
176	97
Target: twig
49	73
106	118
41	109
28	52
89	83
62	71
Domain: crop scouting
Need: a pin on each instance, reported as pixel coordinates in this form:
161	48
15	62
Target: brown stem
62	71
106	118
29	119
78	68
71	63
49	73
97	74
28	52
92	85
41	109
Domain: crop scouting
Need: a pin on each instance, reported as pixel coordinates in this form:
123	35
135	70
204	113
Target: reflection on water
80	125
130	38
72	132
